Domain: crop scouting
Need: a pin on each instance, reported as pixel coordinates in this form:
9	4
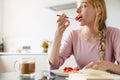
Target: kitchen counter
16	53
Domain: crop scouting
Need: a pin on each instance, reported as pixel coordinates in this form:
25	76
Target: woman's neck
89	33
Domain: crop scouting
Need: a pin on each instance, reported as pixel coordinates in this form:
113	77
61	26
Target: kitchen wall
1	19
25	22
113	17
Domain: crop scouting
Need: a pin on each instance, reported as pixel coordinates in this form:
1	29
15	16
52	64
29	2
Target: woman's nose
78	10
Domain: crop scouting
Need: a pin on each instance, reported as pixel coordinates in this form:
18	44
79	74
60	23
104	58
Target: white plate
60	72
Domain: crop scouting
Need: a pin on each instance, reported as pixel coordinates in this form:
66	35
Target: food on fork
77	18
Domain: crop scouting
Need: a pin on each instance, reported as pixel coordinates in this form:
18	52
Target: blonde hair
100	24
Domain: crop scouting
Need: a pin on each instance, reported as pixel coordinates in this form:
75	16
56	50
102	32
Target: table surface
41	75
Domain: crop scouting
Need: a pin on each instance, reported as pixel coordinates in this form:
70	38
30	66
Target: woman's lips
78	18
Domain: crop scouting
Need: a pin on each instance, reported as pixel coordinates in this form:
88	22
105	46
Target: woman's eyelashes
83	5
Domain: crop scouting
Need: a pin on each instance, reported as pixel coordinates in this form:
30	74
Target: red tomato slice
76	18
76	69
70	69
67	69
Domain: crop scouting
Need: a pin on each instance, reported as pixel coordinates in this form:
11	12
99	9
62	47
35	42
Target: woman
94	45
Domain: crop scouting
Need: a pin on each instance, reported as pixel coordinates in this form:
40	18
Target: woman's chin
82	24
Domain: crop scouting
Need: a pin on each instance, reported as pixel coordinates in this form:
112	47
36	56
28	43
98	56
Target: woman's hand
100	65
63	23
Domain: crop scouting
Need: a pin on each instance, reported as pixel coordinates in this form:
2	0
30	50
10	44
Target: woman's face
86	13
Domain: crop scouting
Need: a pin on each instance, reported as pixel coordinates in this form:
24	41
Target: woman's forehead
81	2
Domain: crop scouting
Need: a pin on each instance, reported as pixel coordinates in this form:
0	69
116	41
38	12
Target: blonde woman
94	45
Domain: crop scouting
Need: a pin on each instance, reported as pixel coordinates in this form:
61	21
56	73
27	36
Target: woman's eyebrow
84	2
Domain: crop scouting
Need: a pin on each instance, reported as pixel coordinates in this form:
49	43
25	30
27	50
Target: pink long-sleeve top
84	51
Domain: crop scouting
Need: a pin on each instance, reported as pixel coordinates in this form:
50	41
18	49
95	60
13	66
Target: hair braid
102	39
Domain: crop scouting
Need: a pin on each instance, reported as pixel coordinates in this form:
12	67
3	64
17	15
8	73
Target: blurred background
29	22
25	24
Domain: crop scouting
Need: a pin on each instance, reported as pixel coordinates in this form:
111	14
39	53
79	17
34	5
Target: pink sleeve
116	44
64	53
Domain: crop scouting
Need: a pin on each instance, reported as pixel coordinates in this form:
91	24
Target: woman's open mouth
78	18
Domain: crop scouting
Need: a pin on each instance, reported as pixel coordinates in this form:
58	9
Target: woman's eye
84	6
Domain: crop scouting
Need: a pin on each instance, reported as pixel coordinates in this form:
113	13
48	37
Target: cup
25	66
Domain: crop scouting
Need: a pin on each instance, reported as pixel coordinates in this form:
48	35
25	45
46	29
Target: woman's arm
63	23
54	56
